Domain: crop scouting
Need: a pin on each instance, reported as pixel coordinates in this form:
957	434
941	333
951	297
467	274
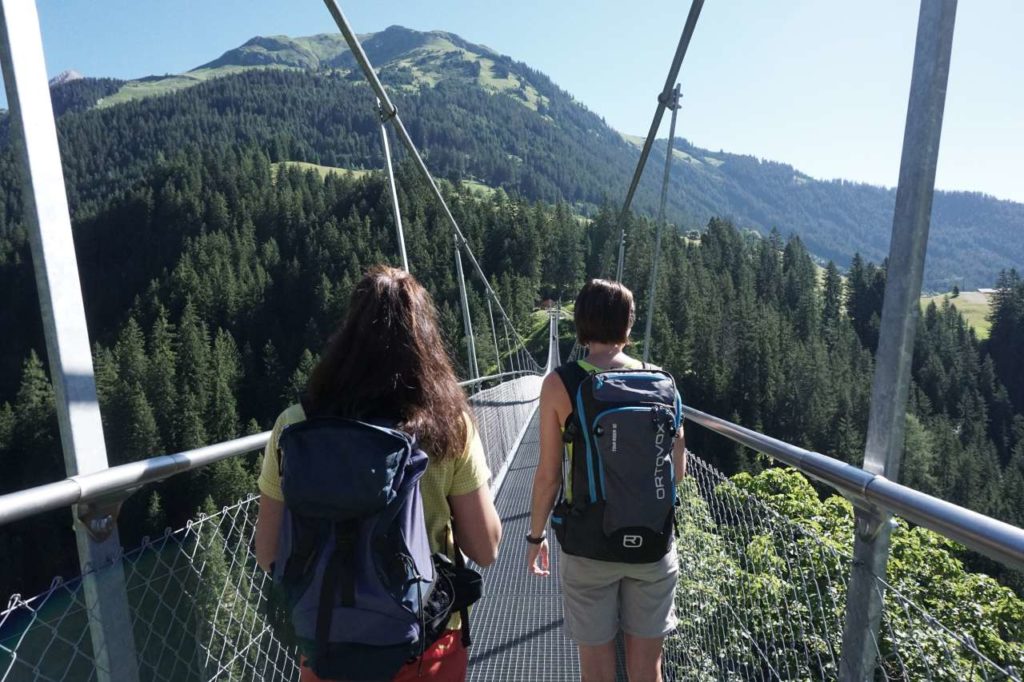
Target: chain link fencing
762	592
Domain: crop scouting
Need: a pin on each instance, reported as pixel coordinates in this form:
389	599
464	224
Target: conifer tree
7	421
142	437
156	519
160	377
130	353
225	372
193	380
832	297
35	428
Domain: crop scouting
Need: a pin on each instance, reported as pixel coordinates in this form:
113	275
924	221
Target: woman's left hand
537	559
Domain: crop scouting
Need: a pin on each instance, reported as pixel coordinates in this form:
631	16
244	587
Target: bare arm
477	526
268	526
548	476
679	455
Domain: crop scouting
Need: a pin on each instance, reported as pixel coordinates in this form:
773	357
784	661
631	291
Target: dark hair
387	359
604	312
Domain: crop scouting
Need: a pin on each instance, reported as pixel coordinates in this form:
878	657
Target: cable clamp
869	522
670	99
386	115
99	516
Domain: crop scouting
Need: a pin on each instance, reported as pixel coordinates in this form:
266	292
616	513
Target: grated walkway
517	626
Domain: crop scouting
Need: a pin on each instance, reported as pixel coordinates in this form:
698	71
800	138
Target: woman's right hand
537	559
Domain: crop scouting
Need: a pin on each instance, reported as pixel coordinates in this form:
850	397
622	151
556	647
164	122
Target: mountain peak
65	77
329	50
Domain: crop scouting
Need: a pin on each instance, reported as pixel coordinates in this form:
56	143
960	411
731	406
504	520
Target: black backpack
355	585
618	498
353	568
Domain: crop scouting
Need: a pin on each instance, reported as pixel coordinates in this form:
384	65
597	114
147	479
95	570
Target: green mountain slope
483	117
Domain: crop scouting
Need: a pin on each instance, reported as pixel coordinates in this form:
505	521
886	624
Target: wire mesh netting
196	603
501	413
196	596
762	592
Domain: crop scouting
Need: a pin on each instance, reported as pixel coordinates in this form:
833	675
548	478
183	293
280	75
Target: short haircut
604	312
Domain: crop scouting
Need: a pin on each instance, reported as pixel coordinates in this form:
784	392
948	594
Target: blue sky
820	85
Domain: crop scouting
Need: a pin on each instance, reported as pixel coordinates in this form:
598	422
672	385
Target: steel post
554	352
34	137
674	106
900	311
663	99
467	322
508	346
392	187
494	336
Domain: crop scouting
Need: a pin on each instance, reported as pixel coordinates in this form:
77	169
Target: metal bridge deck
517	626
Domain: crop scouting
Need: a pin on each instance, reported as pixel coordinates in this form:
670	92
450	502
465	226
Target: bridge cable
494	336
674	106
391	115
467	321
663	99
392	189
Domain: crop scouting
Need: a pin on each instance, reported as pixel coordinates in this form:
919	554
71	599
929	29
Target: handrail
996	539
120	479
492	377
124	479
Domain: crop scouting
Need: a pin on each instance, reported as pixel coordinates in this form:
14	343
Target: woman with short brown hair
601	597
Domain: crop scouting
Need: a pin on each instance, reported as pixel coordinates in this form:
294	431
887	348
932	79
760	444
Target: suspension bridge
763	595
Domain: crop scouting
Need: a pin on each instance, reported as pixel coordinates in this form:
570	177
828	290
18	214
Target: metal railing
126	479
764	569
872	492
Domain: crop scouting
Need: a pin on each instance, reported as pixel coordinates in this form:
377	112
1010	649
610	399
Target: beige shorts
600	597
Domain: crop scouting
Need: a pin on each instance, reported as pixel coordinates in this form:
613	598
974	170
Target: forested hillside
484	116
212	284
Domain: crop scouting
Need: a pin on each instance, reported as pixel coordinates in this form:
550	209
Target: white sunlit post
467	322
34	138
396	211
900	311
656	257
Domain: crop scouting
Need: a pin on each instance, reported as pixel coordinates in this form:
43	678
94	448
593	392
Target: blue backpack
618	497
353	574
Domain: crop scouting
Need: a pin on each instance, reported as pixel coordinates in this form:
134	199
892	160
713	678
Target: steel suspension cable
494	336
663	100
392	188
391	114
467	321
674	106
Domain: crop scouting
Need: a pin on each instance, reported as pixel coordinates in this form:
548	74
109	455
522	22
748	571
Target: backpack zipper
600	462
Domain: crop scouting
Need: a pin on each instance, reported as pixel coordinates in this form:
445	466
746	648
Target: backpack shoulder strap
460	562
572	375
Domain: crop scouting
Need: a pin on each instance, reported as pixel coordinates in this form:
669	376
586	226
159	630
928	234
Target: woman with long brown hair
387	360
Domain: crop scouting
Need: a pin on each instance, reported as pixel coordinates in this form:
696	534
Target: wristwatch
536	541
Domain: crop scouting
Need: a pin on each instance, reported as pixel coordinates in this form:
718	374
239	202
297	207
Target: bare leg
597	663
643	658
